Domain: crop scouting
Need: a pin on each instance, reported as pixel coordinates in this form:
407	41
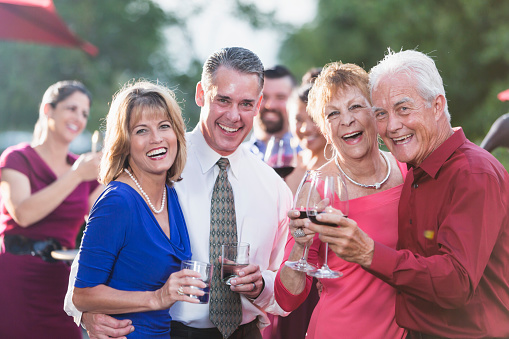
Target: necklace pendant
377	185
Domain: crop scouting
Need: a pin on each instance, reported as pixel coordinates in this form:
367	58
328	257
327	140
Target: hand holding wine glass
299	204
234	258
281	155
328	193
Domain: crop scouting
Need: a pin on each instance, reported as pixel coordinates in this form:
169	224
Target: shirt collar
439	156
207	157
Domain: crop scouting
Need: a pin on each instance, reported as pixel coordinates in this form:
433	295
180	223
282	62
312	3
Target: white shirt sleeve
69	307
266	300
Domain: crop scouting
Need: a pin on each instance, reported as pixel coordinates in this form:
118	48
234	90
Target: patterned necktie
225	309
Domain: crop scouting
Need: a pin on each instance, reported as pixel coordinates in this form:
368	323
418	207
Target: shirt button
410	221
415	185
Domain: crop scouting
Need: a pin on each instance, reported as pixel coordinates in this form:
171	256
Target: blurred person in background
272	120
314	147
356	305
46	192
498	135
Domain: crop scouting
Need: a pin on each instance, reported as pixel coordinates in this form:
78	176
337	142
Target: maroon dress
32	291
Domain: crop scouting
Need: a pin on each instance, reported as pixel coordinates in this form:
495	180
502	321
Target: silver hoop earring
333	151
380	140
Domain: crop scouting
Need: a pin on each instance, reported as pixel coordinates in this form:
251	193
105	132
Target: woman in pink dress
46	192
356	305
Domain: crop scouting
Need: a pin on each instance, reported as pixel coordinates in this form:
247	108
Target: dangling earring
332	150
380	140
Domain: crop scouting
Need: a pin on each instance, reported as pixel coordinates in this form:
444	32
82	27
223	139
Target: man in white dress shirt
229	94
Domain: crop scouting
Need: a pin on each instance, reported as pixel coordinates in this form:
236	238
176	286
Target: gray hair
236	58
416	65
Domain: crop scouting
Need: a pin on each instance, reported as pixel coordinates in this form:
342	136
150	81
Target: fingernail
233	282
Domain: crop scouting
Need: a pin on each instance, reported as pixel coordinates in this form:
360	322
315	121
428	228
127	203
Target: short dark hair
311	75
279	71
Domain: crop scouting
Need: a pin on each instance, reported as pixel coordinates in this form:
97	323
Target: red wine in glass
231	271
303	213
281	155
328	192
284	171
312	216
299	204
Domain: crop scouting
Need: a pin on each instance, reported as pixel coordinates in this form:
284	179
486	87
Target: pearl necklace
145	194
376	185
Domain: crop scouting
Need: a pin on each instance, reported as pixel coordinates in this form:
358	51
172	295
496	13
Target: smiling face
69	117
228	107
410	127
273	116
153	146
349	124
304	128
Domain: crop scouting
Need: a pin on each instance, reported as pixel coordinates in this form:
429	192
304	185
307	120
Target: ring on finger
180	290
254	286
299	233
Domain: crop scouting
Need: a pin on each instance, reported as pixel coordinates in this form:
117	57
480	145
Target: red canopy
504	95
38	21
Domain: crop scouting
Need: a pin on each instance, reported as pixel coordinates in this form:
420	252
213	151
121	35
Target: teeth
156	152
73	127
351	135
228	129
401	139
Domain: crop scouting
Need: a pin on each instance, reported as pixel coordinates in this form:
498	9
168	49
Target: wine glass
299	204
328	192
234	258
97	140
281	155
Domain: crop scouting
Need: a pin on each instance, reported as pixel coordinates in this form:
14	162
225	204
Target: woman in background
46	192
306	132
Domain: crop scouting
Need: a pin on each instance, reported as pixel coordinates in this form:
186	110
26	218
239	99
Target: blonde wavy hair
334	77
130	102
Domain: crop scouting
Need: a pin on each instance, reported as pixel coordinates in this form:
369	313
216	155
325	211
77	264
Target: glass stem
326	254
305	254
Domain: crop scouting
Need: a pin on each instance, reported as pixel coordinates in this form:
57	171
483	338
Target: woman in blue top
136	236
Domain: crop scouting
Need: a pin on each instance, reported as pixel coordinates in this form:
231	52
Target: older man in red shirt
451	268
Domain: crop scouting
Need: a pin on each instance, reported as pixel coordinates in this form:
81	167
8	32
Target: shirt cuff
384	261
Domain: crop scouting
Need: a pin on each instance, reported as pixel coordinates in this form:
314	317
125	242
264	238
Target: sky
216	27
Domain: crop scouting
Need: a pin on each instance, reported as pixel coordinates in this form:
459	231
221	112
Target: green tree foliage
469	40
131	42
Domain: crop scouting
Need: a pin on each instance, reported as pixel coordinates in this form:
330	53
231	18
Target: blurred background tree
129	35
468	39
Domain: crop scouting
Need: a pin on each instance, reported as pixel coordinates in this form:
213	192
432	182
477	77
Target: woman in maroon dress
46	191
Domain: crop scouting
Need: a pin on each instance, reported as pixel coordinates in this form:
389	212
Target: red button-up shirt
451	268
